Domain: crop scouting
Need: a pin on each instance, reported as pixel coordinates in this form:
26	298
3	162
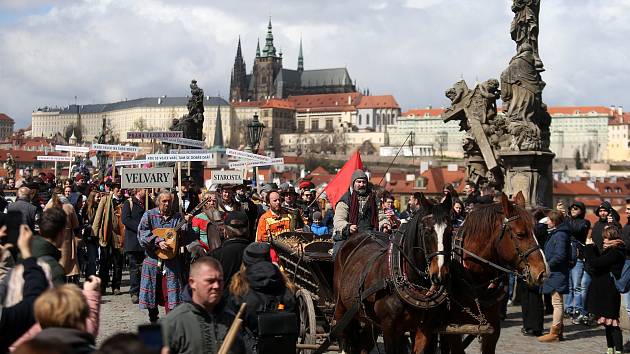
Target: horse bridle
430	256
522	255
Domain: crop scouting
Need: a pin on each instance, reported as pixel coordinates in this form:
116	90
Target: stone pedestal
529	172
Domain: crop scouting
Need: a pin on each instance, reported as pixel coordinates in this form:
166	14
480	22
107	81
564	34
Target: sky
107	50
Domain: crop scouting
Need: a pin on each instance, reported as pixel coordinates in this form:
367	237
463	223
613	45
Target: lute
170	234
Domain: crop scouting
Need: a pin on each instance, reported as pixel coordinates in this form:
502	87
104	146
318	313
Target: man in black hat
356	211
230	254
290	205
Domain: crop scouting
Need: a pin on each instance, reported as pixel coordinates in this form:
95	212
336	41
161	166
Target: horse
496	239
369	294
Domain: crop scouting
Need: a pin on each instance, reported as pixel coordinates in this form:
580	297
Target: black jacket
230	254
30	213
81	342
17	319
603	298
579	226
131	216
46	251
267	291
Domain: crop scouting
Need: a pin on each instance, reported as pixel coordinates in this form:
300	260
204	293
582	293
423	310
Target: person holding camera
17	319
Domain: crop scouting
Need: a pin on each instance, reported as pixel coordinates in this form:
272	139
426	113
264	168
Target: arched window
367	119
359	119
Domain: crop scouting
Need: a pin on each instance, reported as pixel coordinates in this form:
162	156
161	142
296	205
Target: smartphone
151	336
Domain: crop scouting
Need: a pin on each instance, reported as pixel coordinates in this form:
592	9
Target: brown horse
502	234
364	263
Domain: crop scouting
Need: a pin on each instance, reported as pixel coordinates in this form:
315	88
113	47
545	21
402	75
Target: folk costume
162	282
111	240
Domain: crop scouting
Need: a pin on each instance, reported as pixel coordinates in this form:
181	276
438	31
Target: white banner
226	177
155	135
184	141
248	164
189	151
157	177
178	157
116	148
72	148
131	162
54	158
246	155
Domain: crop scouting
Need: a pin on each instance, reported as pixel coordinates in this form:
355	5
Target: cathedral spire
300	66
218	131
269	50
239	54
258	48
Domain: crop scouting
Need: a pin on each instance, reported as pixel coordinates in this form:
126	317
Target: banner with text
248	164
54	158
71	148
116	148
184	141
189	151
226	177
155	135
178	157
247	155
132	162
157	177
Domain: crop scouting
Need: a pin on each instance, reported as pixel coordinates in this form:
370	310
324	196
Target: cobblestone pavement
118	314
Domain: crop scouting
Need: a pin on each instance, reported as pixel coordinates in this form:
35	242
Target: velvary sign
227	177
157	177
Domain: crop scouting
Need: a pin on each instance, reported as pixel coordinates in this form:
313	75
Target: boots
554	335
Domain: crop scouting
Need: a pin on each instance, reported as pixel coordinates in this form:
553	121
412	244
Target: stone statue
192	124
10	166
476	111
525	112
524	28
101	157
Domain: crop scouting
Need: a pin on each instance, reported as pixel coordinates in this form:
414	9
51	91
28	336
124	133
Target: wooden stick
230	337
114	166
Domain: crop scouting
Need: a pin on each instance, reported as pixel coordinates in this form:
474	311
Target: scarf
369	207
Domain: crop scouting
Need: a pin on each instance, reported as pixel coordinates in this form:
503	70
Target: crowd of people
59	234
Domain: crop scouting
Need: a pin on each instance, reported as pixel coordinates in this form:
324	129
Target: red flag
340	184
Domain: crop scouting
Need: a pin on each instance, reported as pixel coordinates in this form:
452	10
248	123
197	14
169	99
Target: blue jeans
625	300
579	281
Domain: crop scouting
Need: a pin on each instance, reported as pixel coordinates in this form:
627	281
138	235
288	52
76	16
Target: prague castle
269	79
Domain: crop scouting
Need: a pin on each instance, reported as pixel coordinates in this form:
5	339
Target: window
300	128
360	119
367	119
378	119
329	125
315	125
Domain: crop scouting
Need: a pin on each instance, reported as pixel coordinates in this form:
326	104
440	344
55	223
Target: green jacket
191	330
46	251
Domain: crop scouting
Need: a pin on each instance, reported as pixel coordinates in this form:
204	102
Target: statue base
529	172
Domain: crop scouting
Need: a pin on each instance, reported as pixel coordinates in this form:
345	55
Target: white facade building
150	114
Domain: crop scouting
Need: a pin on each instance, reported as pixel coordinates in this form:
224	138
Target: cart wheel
308	323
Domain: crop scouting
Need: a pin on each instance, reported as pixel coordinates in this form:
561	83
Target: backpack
623	283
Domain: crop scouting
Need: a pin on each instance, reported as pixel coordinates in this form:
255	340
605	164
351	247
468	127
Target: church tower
267	65
300	67
238	84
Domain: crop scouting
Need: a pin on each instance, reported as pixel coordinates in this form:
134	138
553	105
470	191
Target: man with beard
471	194
290	204
356	211
309	206
274	221
578	227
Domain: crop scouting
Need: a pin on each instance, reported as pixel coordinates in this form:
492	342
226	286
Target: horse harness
459	250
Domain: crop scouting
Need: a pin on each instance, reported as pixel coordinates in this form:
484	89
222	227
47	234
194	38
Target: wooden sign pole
70	165
179	182
114	167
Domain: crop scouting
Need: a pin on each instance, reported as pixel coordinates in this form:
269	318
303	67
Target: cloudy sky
108	50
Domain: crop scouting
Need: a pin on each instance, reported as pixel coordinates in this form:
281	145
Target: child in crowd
318	228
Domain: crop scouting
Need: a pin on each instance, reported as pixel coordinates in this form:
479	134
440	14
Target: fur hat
358	174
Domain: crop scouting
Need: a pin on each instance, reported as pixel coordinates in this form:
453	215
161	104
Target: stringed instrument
170	234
